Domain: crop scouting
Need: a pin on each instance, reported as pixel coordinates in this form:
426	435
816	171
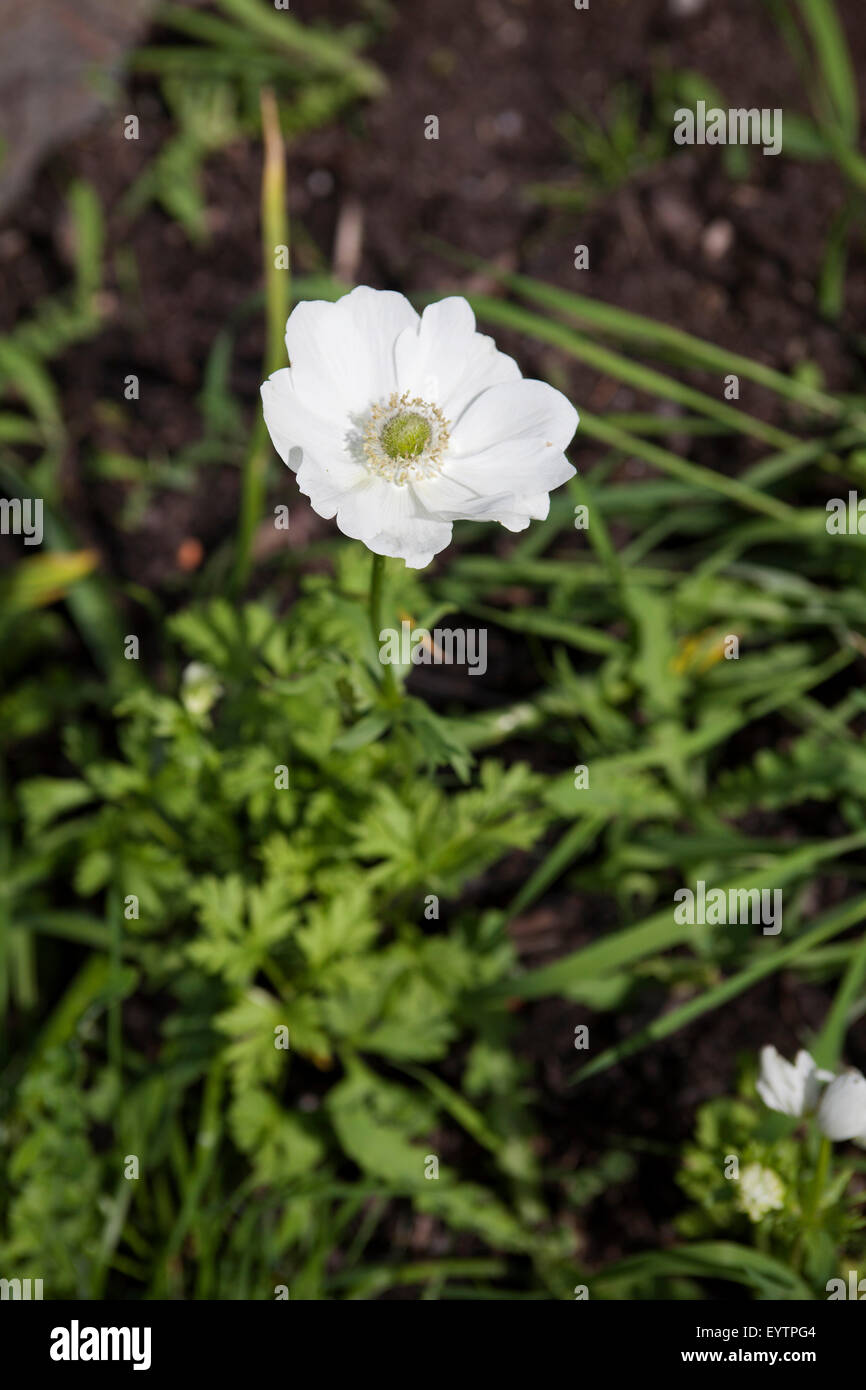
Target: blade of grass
207	28
834	62
631	327
457	1106
635	374
660	931
79	927
733	488
643	423
827	1049
115	1021
588	639
711	1259
275	233
623	369
376	1279
570	847
775	466
330	53
839	920
207	1147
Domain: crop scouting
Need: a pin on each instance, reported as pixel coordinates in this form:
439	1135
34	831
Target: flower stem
115	1023
275	234
819	1181
389	684
813	1199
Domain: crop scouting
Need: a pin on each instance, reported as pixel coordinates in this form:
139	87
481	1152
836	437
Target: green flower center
406	435
404	439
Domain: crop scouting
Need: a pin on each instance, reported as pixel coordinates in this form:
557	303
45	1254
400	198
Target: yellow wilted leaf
699	653
43	579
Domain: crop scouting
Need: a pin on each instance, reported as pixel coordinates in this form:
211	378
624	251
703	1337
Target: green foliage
53	1180
771	1154
212	89
607	151
263	908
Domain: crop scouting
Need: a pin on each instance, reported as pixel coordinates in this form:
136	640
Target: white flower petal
522	510
454	498
297	432
512	469
529	411
342	354
842	1112
392	521
509	444
443	359
789	1089
812	1076
312	447
772	1085
325	491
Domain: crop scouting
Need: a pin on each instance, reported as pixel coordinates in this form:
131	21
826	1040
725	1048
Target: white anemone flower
792	1089
398	424
842	1112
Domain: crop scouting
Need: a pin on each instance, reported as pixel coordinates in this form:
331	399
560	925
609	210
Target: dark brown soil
735	262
